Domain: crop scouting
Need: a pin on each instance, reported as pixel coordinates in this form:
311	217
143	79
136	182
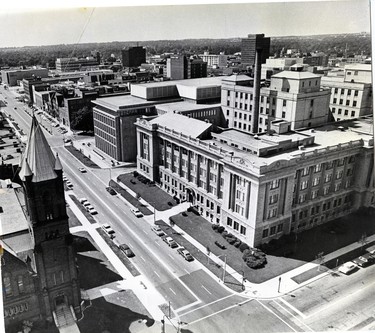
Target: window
229	221
326	190
273	230
333	110
347	102
273	199
334	100
317	168
235	225
314	194
272	213
7	287
274	184
280	227
311	102
352	114
242	230
339	174
346	112
283	114
265	233
304	184
227	112
316	181
337	187
349	92
305	171
354	103
327	177
284	102
340	111
341	101
355	92
329	165
20	284
228	103
302	198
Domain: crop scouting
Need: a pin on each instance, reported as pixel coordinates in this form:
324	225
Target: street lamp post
278	289
225	266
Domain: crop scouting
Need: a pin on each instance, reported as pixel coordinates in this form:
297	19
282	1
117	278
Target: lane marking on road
172	291
186	271
206	289
340	300
157	243
217	312
145	232
203	306
293	308
295	317
171	256
157	274
143	259
135	235
277	316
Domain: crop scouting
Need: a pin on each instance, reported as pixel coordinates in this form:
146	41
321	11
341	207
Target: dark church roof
38	158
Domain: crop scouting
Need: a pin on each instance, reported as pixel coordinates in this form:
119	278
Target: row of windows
342	91
316	209
273	230
326	190
103	119
104	127
236	226
8	286
327	178
16	309
346	112
347	102
105	136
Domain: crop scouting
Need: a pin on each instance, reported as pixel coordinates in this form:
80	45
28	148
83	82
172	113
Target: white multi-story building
351	95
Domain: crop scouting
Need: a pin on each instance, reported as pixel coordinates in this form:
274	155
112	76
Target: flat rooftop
116	103
201	82
326	136
12	220
184	106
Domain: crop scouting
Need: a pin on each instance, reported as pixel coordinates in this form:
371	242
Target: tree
83	120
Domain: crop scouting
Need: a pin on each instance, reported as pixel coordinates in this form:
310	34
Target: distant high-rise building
250	45
180	67
133	56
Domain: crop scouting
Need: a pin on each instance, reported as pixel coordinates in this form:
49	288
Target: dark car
111	190
365	260
124	248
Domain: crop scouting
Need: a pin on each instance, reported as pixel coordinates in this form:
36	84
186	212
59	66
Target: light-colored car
91	210
108	230
136	212
83	170
65	178
170	241
347	268
82	200
364	260
185	254
158	231
69	185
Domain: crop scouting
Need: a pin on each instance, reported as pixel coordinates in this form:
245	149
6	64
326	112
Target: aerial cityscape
187	168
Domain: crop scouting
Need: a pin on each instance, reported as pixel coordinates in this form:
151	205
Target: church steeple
38	157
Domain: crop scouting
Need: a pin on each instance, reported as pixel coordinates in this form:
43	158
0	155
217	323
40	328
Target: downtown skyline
50	26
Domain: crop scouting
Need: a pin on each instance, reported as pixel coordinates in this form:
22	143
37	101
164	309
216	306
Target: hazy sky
42	26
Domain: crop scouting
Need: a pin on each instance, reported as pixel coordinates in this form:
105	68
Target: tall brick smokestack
257	76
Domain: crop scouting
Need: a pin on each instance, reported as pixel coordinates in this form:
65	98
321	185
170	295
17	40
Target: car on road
365	260
83	170
127	251
136	212
347	268
91	210
111	190
157	231
108	230
170	241
67	140
86	203
65	178
83	200
69	185
185	254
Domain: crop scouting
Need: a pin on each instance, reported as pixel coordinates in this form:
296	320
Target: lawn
129	198
82	209
151	193
81	157
326	238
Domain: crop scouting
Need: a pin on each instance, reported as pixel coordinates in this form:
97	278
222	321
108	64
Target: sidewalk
148	295
272	288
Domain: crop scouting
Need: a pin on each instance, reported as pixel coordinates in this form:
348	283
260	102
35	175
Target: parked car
108	230
127	251
69	185
82	200
170	241
86	203
67	140
185	254
83	170
157	231
65	178
365	260
347	268
136	212
91	210
111	190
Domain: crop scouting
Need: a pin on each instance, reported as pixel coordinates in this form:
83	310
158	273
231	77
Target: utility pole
225	266
278	289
